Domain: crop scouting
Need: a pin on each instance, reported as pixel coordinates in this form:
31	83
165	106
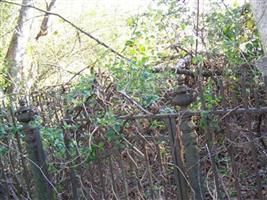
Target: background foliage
104	86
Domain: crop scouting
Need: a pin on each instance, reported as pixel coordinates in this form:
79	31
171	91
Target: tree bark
259	11
16	53
44	25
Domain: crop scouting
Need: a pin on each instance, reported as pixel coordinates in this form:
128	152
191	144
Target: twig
82	70
210	157
206	73
130	144
134	102
228	113
186	179
214	196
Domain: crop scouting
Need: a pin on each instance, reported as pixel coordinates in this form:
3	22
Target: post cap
25	113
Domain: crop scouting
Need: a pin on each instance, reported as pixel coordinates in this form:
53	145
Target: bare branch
73	25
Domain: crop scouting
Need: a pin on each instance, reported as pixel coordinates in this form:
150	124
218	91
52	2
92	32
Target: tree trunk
14	58
258	8
259	11
44	25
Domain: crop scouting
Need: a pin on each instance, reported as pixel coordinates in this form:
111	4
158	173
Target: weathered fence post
184	97
3	187
179	175
26	115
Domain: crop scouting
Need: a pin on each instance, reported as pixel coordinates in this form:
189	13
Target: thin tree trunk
44	25
15	55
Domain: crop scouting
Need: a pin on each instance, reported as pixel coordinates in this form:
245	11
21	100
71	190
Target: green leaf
142	48
130	21
2	131
111	135
130	43
3	150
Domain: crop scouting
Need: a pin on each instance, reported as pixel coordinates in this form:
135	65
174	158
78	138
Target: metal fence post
26	115
179	175
184	96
